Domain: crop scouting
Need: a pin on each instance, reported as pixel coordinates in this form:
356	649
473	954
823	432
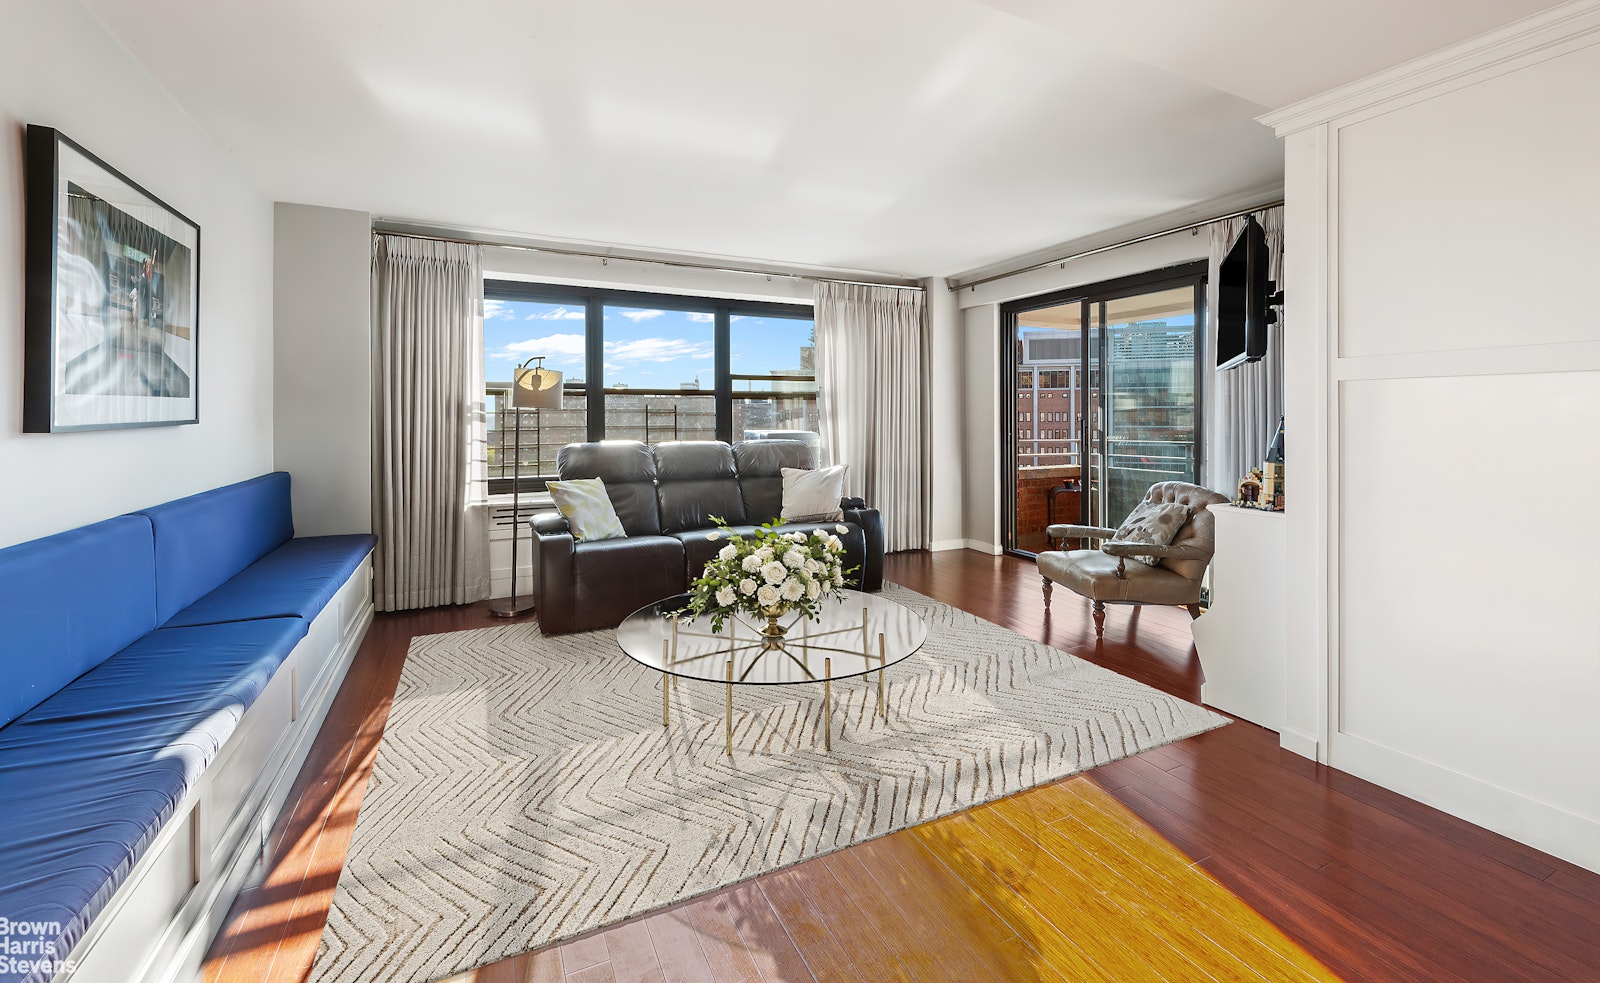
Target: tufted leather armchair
1105	576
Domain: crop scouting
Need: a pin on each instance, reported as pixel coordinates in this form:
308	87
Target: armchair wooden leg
1194	611
1048	587
1099	619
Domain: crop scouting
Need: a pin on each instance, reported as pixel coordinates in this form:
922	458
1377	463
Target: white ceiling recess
915	137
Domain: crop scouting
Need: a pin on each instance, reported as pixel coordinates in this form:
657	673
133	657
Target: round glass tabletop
854	635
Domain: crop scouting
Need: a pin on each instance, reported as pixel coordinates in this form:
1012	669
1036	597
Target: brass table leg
666	690
827	704
730	708
883	660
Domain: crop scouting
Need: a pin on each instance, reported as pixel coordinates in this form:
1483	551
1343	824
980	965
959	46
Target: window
640	366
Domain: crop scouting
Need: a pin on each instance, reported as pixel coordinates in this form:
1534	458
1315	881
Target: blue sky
646	348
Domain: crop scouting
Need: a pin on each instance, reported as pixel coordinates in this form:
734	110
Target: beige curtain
1242	404
872	376
429	480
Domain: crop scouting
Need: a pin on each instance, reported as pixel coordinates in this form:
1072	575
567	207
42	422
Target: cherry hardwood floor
1373	886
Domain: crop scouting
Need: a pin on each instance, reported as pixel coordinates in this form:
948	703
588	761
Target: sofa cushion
93	773
760	465
629	471
695	481
69	602
203	540
296	580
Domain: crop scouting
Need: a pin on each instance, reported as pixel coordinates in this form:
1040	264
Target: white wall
981	483
322	416
59	68
1444	385
527	264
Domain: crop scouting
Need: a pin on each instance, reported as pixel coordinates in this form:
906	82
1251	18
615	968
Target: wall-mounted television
1245	299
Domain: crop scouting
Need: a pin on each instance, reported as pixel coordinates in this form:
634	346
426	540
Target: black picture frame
112	297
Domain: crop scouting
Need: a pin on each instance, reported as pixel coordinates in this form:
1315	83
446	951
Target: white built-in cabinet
1442	243
1240	637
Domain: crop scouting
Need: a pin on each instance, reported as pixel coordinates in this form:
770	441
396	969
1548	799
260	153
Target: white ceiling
922	137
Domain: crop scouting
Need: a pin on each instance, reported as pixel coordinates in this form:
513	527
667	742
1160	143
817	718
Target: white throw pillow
813	495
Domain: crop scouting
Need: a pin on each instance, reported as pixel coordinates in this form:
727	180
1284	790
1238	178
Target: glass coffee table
854	635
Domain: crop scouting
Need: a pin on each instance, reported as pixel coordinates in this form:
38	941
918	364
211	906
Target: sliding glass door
1149	400
1103	400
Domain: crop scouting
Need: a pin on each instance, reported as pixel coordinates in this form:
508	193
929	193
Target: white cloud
552	346
496	309
701	317
556	314
637	316
657	349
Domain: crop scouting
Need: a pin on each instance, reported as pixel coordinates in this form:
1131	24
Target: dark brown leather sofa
665	496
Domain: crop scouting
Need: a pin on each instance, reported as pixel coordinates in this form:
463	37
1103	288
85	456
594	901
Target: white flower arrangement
769	570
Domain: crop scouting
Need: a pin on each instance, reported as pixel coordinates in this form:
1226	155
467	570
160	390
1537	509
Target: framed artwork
113	297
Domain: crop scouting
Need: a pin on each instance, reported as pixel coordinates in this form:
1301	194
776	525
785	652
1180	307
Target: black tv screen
1244	299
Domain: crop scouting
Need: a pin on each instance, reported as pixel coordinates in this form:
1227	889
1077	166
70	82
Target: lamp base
509	608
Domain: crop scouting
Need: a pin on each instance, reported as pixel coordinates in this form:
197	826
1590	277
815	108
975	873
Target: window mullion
722	361
594	320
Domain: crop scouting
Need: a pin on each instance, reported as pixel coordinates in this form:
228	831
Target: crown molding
1569	25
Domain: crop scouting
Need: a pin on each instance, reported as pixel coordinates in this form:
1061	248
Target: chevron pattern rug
525	790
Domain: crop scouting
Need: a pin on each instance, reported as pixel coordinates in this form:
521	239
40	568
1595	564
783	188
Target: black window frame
594	300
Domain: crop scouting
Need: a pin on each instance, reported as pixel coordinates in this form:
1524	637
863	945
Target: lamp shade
536	388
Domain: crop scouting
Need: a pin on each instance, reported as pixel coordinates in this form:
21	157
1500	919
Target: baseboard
1554	830
982	547
1302	744
940	545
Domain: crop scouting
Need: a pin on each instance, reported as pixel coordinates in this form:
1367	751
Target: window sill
531	501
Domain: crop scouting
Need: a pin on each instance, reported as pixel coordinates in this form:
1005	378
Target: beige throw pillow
588	509
1155	523
813	495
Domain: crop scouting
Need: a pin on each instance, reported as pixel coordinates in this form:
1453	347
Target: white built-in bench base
160	923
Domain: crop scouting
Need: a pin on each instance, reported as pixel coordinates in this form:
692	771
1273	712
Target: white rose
768	595
813	566
752	563
818	534
838	578
794	559
841	530
747	587
813	590
798	537
728	552
774	572
793	590
765	553
713	535
726	597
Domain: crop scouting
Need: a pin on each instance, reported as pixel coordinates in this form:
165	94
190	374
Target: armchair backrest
629	471
1199	531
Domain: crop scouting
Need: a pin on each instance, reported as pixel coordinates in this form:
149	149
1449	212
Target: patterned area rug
526	792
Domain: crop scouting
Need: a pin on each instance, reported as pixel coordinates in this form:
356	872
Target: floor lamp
536	388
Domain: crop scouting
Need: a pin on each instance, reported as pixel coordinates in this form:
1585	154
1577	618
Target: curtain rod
390	228
963	285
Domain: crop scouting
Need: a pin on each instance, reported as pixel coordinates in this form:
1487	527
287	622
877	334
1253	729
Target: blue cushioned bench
133	655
